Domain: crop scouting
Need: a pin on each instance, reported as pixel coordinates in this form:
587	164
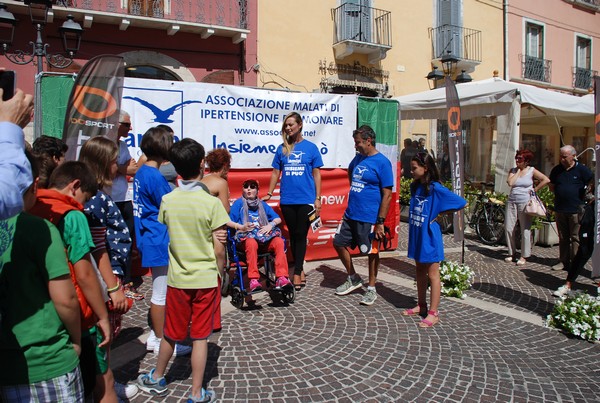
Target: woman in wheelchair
256	226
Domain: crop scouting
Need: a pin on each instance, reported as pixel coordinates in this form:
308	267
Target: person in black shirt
568	181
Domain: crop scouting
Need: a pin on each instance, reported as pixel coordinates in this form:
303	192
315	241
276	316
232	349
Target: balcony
592	5
583	78
361	30
463	43
226	18
534	68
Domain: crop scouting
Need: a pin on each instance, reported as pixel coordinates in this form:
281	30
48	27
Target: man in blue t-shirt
568	181
371	180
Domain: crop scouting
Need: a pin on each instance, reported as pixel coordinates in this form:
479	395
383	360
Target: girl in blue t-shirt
299	163
429	198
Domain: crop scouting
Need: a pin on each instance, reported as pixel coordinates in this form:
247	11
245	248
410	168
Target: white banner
245	121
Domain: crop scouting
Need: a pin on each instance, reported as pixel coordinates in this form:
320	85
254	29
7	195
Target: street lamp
449	64
70	32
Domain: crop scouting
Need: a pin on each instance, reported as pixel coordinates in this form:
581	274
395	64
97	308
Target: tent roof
494	97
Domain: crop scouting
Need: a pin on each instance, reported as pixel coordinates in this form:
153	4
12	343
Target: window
534	40
583	56
449	22
146	8
583	63
534	66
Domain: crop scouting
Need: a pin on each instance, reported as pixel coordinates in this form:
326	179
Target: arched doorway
148	64
151	72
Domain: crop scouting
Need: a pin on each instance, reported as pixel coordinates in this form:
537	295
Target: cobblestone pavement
490	347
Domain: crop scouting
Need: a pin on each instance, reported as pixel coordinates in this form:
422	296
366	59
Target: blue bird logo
162	115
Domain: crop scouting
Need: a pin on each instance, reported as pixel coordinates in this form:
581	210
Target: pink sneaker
282	282
255	285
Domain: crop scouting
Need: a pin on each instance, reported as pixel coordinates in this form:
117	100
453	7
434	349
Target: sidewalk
492	346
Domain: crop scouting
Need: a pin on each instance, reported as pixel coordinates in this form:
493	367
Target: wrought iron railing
582	77
534	68
464	43
595	3
226	13
355	22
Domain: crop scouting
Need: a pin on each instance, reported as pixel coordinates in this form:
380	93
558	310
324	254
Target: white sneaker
153	342
126	391
562	291
558	267
180	349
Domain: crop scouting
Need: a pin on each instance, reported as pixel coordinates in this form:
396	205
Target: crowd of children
179	232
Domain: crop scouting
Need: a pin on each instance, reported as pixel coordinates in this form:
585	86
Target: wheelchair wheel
288	295
225	283
237	298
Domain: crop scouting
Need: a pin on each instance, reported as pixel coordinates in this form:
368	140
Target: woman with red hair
521	182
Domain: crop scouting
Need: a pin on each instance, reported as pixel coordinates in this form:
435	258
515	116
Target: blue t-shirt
370	174
151	237
569	187
425	243
297	181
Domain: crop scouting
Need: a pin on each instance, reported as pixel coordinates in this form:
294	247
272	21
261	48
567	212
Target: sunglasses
250	186
126	124
518	158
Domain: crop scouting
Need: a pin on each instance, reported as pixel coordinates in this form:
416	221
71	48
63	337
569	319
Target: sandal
428	323
297	282
415	311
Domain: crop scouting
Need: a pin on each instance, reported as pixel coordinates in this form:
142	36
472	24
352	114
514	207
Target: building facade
553	45
197	41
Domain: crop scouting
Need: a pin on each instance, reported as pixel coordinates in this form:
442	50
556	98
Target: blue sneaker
207	396
149	384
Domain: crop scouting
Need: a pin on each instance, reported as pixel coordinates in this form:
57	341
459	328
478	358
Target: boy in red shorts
196	224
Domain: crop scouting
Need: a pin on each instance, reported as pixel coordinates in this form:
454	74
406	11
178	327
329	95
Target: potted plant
548	233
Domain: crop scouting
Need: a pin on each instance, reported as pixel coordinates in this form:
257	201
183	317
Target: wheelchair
266	268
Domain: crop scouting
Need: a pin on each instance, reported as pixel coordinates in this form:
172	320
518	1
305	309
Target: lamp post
70	33
449	64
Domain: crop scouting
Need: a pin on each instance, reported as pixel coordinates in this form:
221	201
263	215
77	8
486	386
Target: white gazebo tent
496	97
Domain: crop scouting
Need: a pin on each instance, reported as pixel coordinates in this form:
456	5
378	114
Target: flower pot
548	234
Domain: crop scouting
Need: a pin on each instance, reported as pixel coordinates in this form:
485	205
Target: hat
249	182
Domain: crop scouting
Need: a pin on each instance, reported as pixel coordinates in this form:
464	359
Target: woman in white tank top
521	182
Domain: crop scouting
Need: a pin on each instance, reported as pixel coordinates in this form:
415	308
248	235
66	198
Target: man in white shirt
15	170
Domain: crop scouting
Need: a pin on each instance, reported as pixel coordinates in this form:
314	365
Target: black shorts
88	362
352	233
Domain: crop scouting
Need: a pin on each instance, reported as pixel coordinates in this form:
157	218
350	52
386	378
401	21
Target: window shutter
449	18
357	20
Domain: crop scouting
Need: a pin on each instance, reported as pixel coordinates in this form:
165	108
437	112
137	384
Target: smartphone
7	83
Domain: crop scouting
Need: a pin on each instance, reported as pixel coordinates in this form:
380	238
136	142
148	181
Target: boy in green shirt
196	224
69	187
40	335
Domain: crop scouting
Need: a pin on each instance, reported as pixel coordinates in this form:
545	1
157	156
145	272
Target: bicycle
486	216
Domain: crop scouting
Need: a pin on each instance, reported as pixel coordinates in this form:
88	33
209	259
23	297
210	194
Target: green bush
547	197
405	191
